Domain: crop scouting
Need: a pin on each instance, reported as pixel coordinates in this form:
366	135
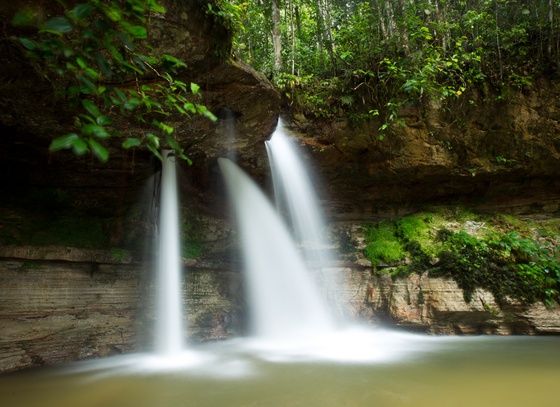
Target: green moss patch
507	255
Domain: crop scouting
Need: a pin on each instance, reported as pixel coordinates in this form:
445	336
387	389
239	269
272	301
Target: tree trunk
293	39
276	39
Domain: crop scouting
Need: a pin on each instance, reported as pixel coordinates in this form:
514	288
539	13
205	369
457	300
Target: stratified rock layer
59	304
489	154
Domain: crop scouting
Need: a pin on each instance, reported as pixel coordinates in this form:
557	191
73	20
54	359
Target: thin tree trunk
551	23
498	42
276	39
320	31
380	19
391	25
298	21
293	39
328	31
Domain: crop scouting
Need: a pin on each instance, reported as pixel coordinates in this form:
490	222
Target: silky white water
296	357
295	190
169	329
283	299
296	196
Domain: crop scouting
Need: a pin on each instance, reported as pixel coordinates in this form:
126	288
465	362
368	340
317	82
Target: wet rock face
62	304
65	305
489	154
437	306
32	113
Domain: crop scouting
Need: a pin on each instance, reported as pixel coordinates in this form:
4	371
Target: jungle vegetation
101	49
361	59
369	58
511	257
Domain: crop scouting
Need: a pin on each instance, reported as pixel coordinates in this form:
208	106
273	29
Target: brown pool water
397	370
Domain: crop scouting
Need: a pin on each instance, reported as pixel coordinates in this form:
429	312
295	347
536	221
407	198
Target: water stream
295	190
284	301
295	355
169	329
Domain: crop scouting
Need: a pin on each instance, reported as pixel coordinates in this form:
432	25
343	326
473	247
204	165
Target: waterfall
294	192
284	301
169	329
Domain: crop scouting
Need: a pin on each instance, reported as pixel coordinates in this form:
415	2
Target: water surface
374	369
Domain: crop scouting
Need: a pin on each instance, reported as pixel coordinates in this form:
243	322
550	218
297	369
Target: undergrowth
506	255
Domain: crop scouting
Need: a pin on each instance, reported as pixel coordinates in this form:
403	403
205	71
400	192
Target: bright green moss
383	243
507	255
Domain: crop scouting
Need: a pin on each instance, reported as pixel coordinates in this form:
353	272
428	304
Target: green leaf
104	121
132	103
87	87
120	94
98	150
153	139
181	85
86	117
27	43
162	126
190	107
187	159
156	7
131	142
58	25
173	144
103	64
95	130
113	13
154	151
91	73
91	107
79	146
68	52
82	11
206	113
137	31
63	142
81	62
195	88
126	40
171	60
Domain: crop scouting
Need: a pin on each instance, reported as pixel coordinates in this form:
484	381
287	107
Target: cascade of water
284	301
294	190
169	330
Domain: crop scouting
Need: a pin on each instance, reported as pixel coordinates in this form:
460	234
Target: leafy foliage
101	49
504	263
497	257
385	54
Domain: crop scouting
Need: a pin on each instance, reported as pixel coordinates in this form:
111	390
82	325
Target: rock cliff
74	278
478	150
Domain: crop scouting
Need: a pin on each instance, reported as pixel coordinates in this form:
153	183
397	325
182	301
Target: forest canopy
388	52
